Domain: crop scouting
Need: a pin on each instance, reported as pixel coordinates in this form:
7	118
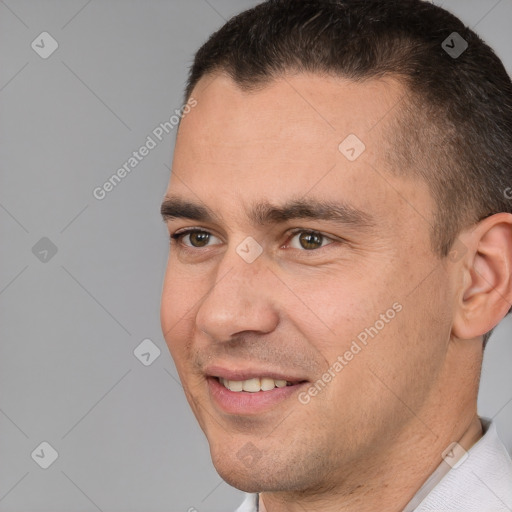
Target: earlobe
485	296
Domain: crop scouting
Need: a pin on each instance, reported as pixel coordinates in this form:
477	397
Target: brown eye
199	238
194	238
309	240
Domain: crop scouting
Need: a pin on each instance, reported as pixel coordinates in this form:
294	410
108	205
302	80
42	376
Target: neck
391	481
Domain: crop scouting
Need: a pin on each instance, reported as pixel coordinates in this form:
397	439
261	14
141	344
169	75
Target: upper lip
250	373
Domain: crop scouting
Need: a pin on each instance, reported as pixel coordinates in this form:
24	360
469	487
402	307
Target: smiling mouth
255	385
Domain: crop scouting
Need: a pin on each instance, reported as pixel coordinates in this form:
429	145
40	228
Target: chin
243	484
245	474
256	475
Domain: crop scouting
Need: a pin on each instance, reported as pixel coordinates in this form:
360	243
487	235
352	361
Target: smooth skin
371	438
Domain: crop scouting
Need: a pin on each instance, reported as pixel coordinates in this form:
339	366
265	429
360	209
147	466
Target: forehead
299	109
296	136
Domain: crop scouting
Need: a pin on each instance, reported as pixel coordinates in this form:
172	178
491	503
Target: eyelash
178	236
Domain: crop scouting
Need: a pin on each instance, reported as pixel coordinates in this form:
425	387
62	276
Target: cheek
179	295
335	307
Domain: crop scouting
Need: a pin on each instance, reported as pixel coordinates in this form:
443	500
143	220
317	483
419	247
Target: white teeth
234	385
267	384
254	385
251	385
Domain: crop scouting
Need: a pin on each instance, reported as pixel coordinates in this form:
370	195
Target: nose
240	299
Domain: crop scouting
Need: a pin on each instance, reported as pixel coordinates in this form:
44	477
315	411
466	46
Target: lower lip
244	402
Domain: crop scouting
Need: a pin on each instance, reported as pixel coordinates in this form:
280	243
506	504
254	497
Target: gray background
123	431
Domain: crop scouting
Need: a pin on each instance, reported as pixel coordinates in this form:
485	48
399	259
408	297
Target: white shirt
479	482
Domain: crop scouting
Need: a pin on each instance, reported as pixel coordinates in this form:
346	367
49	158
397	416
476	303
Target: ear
485	296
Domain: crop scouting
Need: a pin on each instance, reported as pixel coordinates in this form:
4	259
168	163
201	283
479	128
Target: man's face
306	290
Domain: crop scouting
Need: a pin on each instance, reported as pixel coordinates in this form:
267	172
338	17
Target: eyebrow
266	213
